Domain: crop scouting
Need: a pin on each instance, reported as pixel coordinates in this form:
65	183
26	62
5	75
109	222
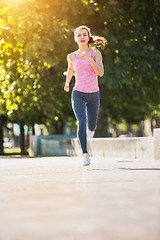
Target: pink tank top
86	77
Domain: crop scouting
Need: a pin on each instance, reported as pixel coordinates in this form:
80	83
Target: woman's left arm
97	63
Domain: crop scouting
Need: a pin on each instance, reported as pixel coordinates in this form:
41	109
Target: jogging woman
87	64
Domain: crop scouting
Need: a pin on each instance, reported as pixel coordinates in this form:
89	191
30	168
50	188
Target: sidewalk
56	198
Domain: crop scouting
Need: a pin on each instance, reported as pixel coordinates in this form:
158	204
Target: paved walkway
56	198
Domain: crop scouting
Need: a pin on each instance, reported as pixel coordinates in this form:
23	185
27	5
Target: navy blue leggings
86	108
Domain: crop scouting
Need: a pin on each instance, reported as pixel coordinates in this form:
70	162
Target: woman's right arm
69	71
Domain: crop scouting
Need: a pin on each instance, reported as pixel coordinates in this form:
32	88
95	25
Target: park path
56	198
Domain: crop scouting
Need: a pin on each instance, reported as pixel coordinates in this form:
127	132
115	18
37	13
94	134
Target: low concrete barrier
134	148
47	145
63	145
54	147
156	134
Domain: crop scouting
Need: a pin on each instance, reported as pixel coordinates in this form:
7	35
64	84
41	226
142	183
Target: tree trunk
130	130
102	126
1	135
158	122
58	126
33	130
22	142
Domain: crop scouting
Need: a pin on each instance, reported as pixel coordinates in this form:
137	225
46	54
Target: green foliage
132	58
31	61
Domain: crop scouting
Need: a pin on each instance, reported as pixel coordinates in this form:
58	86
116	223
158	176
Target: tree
132	58
32	62
38	35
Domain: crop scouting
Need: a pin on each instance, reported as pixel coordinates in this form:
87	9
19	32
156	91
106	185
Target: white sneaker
90	133
86	160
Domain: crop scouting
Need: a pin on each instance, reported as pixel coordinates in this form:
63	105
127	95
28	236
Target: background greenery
37	35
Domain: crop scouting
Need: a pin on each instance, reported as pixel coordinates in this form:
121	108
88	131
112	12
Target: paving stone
56	198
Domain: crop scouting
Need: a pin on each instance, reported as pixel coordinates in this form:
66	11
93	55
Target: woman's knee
92	126
82	124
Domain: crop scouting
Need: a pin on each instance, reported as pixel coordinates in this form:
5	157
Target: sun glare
13	1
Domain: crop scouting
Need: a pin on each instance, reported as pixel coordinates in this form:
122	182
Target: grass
13	151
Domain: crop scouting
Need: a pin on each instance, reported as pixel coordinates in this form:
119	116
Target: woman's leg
79	108
93	105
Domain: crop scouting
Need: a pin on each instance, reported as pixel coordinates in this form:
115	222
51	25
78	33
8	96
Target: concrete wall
63	145
41	145
134	148
156	134
53	147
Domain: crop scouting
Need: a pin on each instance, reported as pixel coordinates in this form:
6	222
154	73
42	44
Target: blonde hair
96	41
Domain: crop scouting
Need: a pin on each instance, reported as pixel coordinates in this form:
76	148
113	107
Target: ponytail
97	41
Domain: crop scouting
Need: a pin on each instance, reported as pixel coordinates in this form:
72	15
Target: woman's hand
96	61
66	87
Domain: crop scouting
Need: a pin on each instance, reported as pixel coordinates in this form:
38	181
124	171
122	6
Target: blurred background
35	38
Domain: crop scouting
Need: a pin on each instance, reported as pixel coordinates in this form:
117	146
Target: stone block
144	148
134	148
56	147
156	135
35	142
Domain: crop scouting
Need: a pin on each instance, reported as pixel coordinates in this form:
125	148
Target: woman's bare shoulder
70	57
97	52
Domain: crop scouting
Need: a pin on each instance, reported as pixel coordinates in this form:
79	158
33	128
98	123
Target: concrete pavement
56	198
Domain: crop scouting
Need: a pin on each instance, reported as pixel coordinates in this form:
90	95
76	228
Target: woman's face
81	37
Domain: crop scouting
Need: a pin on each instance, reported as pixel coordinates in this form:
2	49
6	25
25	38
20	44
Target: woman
87	64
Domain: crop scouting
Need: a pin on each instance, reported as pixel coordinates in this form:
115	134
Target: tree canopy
37	35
